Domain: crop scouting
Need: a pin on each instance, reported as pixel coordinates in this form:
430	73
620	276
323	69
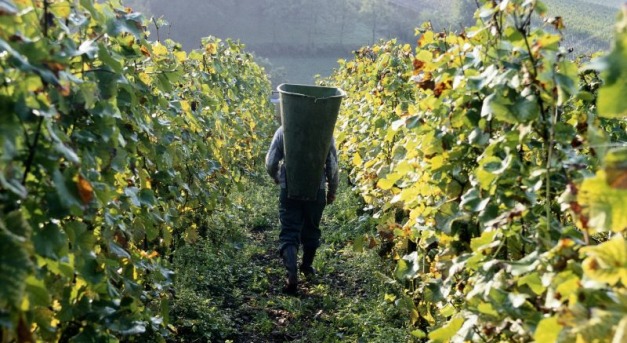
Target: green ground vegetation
230	290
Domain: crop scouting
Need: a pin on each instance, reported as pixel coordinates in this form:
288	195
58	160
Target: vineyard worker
300	219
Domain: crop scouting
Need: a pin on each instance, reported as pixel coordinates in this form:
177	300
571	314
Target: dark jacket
276	168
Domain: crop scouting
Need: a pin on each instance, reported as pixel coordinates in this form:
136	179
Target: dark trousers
300	220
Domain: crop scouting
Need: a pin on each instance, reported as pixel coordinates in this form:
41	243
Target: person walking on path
300	219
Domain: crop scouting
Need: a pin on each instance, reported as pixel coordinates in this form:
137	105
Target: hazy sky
296	39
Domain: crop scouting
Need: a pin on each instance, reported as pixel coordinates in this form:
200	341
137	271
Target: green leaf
13	185
131	192
74	230
60	146
37	292
152	231
165	310
127	22
487	308
385	184
534	282
472	201
107	83
66	190
89	5
90	335
90	269
419	333
611	101
566	283
106	56
407	267
50	241
20	61
445	333
147	197
118	250
389	181
487	237
512	109
489	168
15	263
525	109
89	93
541	8
430	144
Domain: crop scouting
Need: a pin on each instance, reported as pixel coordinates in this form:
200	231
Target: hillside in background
588	22
298	39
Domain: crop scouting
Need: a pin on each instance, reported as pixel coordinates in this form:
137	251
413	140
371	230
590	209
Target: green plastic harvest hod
308	115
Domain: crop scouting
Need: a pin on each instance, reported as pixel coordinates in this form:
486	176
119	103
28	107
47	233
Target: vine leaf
547	330
15	263
611	101
604	205
85	190
616	168
445	333
66	190
607	262
407	267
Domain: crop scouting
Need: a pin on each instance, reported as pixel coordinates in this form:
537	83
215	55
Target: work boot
308	257
290	255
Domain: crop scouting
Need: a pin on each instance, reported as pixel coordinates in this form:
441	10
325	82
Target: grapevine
114	154
486	156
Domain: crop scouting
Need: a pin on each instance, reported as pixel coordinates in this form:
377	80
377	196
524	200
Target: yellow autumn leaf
607	262
144	51
61	9
385	184
211	48
426	38
604	206
185	106
180	56
357	161
145	78
159	49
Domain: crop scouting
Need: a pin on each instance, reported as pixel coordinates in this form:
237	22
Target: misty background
297	39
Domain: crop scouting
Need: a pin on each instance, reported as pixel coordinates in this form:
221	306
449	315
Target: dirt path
270	315
344	303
